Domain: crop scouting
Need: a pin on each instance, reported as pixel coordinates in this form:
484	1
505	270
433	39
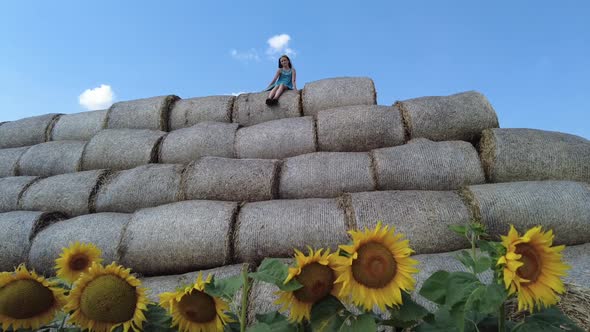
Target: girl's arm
276	77
294	80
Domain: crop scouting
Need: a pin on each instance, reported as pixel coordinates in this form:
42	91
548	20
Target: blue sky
530	58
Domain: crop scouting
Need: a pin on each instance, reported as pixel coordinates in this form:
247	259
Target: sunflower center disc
531	267
25	298
375	266
198	307
317	281
108	298
78	262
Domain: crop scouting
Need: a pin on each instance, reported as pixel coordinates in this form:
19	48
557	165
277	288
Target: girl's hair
284	56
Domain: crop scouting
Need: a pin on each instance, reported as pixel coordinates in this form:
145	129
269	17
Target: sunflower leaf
466	259
273	321
434	288
407	314
274	271
326	315
157	319
547	320
486	299
364	322
224	288
459	287
459	229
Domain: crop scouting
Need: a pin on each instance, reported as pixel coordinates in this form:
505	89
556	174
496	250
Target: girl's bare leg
273	92
279	91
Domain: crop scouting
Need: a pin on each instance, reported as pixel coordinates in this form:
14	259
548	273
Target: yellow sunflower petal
76	259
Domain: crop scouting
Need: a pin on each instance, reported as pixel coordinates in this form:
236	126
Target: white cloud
97	98
237	93
279	44
245	56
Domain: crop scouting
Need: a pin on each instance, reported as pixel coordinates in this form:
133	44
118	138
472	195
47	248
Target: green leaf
442	321
494	249
486	299
435	287
364	322
157	319
459	229
477	229
406	315
483	263
459	286
273	321
273	271
326	315
547	320
465	258
224	288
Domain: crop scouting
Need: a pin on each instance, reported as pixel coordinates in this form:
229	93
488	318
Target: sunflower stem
245	291
501	318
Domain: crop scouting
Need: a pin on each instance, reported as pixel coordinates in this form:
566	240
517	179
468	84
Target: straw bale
510	155
9	160
119	149
461	116
261	300
250	108
326	174
79	126
578	257
203	139
179	237
425	165
148	113
27	131
188	112
337	92
227	179
17	229
558	205
11	188
423	216
277	139
66	193
101	229
359	128
52	158
273	228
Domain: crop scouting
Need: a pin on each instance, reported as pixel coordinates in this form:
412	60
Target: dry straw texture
52	158
425	165
326	174
510	155
203	139
27	131
10	189
9	160
148	113
277	139
188	112
179	237
359	128
79	126
337	92
250	108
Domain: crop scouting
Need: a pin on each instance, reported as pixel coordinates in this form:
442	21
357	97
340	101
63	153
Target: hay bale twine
203	139
461	116
226	179
326	174
510	155
277	139
250	108
119	149
70	194
9	160
179	237
140	187
17	229
423	216
52	158
425	165
359	128
10	190
558	205
27	131
188	112
274	228
79	126
337	92
101	229
148	113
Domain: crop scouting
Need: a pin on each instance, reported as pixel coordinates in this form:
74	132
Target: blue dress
285	79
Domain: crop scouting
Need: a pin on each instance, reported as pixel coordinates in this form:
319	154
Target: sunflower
533	268
376	269
194	310
107	297
76	259
28	300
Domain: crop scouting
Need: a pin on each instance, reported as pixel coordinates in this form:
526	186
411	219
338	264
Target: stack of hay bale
170	187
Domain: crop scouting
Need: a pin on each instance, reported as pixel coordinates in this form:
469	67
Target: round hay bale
274	228
140	187
101	229
510	155
52	158
203	139
227	179
461	116
337	92
578	257
326	174
119	149
359	128
179	237
17	229
66	193
250	108
558	205
27	131
11	188
148	113
277	139
79	126
261	300
423	216
188	112
425	165
9	160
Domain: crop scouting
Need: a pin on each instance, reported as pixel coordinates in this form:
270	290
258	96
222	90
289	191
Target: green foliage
224	288
273	321
548	320
406	315
274	271
157	319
